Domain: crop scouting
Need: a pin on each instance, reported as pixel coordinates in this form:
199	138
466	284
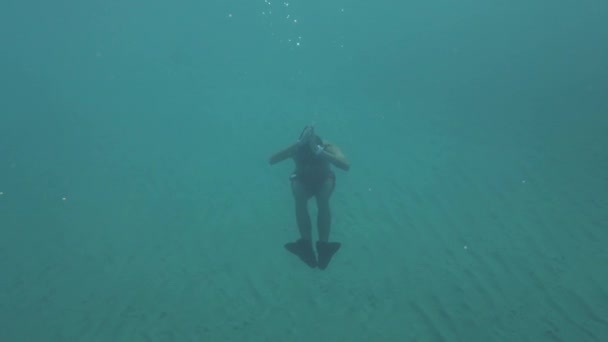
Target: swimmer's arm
335	156
284	153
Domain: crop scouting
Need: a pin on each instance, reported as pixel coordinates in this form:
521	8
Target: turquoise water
137	204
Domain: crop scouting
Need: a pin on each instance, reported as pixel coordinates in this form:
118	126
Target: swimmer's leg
325	249
301	196
324	211
303	247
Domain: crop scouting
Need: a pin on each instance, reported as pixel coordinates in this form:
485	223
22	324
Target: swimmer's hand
330	153
318	149
315	147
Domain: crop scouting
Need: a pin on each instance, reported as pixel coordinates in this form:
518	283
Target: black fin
326	251
303	249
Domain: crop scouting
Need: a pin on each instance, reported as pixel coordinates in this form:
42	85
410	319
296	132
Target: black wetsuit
312	171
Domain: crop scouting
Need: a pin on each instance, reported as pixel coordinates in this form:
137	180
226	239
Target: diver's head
308	131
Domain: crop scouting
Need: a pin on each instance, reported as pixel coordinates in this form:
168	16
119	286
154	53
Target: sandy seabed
457	250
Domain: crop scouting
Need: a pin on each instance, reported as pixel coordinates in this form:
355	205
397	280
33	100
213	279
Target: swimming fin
303	249
326	251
